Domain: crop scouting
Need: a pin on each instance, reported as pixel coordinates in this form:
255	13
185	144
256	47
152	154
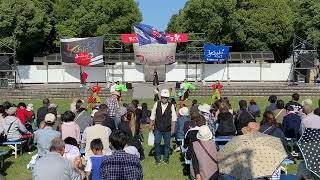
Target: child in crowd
94	162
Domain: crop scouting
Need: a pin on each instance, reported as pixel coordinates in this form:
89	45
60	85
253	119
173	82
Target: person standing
94	163
113	104
155	78
163	119
42	111
217	87
120	165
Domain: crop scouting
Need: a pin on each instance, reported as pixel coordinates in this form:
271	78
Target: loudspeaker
129	85
178	85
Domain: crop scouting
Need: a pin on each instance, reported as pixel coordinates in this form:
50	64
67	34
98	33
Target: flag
73	47
149	35
213	53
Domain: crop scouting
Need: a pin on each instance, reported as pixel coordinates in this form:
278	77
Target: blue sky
158	12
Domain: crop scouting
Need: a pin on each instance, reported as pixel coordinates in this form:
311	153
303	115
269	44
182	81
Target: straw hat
204	108
204	133
11	111
184	111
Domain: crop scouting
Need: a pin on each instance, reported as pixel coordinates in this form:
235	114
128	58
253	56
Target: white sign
155	54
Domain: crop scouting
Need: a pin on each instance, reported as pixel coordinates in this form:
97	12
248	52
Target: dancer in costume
94	98
217	87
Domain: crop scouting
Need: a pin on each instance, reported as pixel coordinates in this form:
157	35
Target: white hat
184	111
30	107
49	118
11	111
52	105
93	112
165	93
204	108
204	133
307	102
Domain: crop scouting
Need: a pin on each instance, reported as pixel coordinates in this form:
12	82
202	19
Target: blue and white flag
213	53
149	35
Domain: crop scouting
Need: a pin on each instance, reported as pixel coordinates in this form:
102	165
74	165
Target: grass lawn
15	169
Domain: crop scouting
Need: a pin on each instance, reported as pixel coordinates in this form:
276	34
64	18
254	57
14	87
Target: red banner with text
171	38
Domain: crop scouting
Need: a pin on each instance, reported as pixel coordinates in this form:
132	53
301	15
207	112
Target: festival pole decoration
83	59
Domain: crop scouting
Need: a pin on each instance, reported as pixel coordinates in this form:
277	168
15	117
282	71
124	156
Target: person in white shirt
310	120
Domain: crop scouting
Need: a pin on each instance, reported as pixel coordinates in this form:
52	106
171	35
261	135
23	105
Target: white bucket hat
184	111
307	102
165	93
204	133
204	108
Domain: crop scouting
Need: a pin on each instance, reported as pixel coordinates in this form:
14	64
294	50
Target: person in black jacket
225	120
108	122
243	117
130	127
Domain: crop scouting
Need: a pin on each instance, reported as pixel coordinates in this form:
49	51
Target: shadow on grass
6	165
152	151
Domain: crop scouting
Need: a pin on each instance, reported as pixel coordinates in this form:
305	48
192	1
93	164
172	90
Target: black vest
163	121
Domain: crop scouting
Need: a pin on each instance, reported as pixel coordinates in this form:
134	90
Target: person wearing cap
95	132
42	111
113	105
163	120
13	126
273	105
243	117
204	155
297	107
82	116
43	137
181	121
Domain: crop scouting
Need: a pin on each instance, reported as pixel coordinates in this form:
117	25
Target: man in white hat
113	104
43	137
163	119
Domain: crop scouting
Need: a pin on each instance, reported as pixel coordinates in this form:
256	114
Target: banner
213	53
71	47
171	38
155	54
149	35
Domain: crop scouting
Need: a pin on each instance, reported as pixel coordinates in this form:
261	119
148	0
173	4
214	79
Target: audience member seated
317	110
53	166
273	106
254	108
204	155
204	110
54	110
108	122
226	125
83	117
280	112
120	165
191	135
243	117
269	126
145	119
42	111
71	149
94	162
311	120
130	127
97	131
13	126
297	107
43	137
291	124
69	128
194	106
22	113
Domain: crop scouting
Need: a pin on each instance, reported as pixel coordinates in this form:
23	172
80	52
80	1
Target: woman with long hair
225	120
269	126
130	127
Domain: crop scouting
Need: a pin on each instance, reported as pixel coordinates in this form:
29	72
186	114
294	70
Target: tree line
251	25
